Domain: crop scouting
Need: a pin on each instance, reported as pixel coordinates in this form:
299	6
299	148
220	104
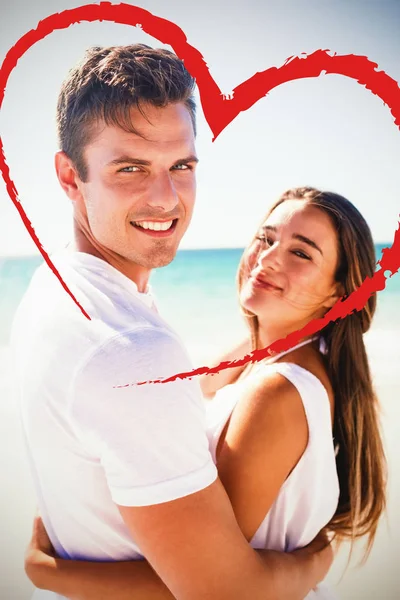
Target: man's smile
156	228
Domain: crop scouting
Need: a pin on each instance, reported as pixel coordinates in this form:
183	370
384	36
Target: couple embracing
149	492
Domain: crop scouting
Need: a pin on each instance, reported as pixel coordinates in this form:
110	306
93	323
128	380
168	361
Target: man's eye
130	169
182	167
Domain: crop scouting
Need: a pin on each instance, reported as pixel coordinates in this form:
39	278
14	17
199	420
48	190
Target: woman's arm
210	384
291	575
85	580
261	444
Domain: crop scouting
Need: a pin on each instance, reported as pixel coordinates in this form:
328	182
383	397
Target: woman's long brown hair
360	460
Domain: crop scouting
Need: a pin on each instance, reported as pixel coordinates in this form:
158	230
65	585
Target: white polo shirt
93	445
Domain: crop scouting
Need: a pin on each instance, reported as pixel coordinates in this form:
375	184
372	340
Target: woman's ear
337	292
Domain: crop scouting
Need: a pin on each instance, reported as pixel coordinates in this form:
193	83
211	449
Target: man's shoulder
142	353
121	329
111	305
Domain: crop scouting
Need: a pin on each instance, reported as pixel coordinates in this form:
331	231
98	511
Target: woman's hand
89	580
38	552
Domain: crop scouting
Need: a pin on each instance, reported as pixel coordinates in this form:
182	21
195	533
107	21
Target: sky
328	132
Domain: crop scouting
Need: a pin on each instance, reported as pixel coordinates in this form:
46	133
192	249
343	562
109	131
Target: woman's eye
301	254
264	238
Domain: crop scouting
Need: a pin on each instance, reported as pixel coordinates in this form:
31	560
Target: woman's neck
268	333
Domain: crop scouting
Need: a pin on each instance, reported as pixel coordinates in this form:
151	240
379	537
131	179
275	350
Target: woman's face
291	267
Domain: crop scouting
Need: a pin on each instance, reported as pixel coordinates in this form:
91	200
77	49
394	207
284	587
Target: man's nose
162	193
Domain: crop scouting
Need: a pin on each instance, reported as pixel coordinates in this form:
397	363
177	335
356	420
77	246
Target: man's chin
157	260
162	262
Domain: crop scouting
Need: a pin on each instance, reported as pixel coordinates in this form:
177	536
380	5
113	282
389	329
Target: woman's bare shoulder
210	384
310	359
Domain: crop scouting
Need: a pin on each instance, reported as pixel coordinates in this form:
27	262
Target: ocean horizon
196	293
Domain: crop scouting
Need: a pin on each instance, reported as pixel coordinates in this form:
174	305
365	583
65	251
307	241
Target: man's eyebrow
297	236
146	163
188	159
129	159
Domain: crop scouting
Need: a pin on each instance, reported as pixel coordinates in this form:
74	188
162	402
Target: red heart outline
219	112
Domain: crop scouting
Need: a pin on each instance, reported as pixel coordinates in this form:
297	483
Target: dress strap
272	359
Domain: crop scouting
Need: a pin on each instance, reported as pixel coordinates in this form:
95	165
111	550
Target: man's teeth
154	225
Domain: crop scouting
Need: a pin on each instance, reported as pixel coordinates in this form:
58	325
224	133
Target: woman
295	437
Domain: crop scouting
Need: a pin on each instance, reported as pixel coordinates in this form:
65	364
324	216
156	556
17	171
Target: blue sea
196	293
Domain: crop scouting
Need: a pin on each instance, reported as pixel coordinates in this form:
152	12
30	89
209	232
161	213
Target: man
123	471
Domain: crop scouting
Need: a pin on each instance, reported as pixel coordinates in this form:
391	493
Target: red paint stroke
390	261
218	110
12	192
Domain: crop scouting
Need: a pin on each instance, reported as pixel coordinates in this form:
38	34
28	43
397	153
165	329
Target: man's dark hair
108	83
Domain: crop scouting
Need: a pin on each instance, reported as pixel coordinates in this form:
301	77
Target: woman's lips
265	284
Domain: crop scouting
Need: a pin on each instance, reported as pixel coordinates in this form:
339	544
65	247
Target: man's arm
196	547
152	445
263	574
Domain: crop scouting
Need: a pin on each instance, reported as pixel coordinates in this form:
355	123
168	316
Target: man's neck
139	275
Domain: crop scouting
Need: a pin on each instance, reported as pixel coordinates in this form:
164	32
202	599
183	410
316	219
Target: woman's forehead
300	213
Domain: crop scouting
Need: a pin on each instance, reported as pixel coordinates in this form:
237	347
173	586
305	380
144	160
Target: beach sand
378	579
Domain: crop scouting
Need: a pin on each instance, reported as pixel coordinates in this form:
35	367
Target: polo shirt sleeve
150	439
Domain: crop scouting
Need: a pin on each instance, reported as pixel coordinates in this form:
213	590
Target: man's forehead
113	142
120	138
169	126
169	123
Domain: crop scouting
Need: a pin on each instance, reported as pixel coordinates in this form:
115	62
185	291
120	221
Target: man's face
139	195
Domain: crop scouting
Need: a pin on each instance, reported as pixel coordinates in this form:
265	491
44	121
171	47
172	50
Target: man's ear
68	176
337	292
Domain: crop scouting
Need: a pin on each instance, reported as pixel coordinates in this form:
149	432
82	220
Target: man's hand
38	552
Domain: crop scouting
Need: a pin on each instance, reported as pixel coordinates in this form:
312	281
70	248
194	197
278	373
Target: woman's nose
269	258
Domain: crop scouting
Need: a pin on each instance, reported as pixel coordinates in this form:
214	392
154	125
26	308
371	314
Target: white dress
309	496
